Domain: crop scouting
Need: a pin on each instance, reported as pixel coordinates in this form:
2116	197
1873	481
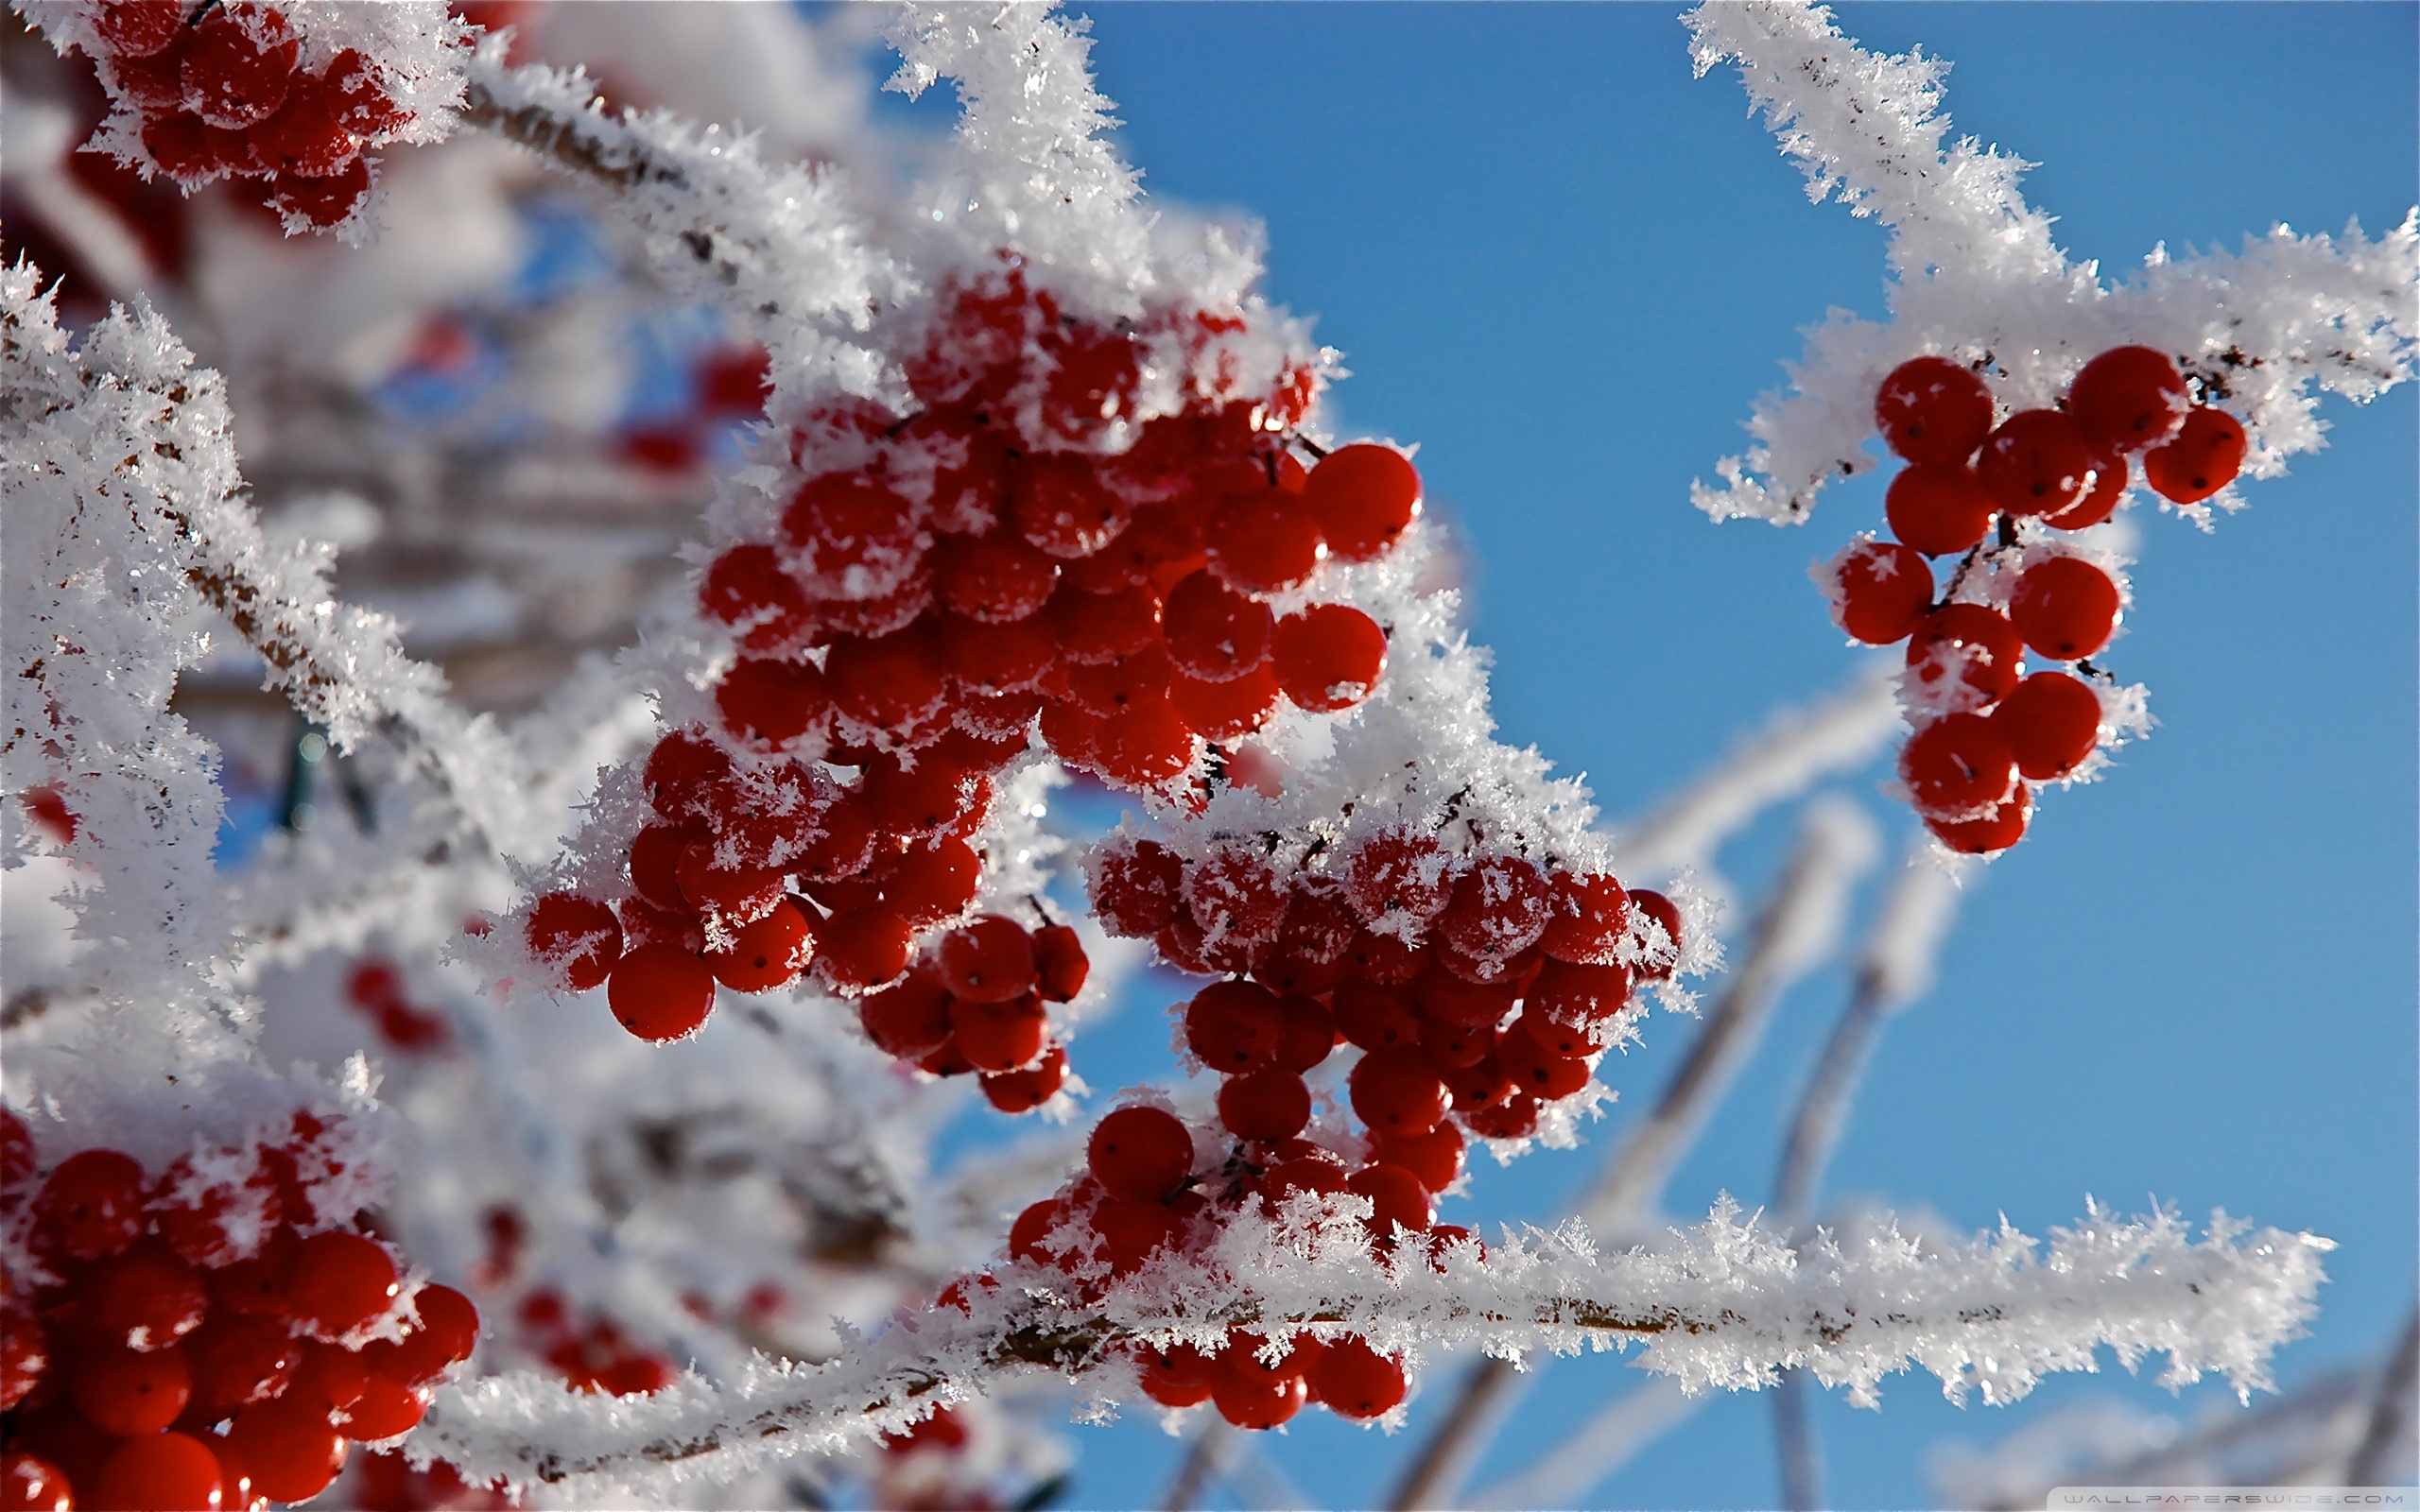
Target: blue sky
1566	267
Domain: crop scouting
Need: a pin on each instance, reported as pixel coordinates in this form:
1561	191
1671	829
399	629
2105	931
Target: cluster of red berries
1480	985
975	1003
977	570
1985	731
375	988
206	1337
1140	1194
221	92
727	384
596	1358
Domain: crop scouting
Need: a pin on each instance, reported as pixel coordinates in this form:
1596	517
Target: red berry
1328	657
2129	398
92	1206
1435	1157
24	1354
1141	1153
326	201
1264	542
1884	589
747	589
992	579
290	1449
2066	607
854	538
123	1392
1022	1091
160	1471
686	775
910	1018
772	701
1581	994
1397	1091
1932	409
1352	1380
1373	1017
238	1361
386	1409
767	955
1225	711
1964	656
1271	1104
1252	1394
930	882
1235	896
1661	945
1098	629
231	79
138	28
893	684
1396	1196
1516	1118
302	138
1938	508
1133	885
661	993
1146	746
1316	1173
1214	634
1958	766
1060	962
2204	458
2108	487
735	893
986	960
2051	723
340	1281
16	1161
578	938
146	1298
1132	1230
861	948
1997	831
443	1331
1498	909
1235	1027
1032	1227
1001	1036
1060	506
2038	462
1399	877
31	1484
255	1287
1590	918
1363	497
328	1380
1536	1067
1178	1376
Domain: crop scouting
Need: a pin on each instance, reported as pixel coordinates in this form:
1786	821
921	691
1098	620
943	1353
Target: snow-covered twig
1724	1304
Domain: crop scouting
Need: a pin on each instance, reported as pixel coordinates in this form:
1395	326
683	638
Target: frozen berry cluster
1483	986
597	1357
231	90
1040	547
205	1335
974	1003
2006	492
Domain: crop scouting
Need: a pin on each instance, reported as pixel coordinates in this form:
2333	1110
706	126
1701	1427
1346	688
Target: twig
1200	1464
2391	1411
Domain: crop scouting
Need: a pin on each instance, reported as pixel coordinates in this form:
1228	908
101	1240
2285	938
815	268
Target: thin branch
2391	1411
1199	1467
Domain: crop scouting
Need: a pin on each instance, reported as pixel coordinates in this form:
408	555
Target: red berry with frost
577	938
1399	877
931	882
292	1452
992	579
1957	767
1225	711
1435	1157
1579	993
1328	657
1140	1152
1252	1396
1097	627
735	894
1499	908
1263	543
892	683
1995	832
908	1018
386	1409
442	1332
1965	656
1930	409
932	798
986	960
340	1281
686	775
854	538
772	701
1659	946
2204	458
1397	1091
1938	509
2065	608
2129	398
1022	1091
2051	723
146	1298
159	1469
2038	462
326	201
1059	507
767	954
1001	1036
1589	920
2109	476
1885	590
748	590
302	138
1236	895
139	28
1396	1196
1031	1228
1364	497
861	948
231	79
1178	1376
1213	632
1235	1027
238	1361
661	993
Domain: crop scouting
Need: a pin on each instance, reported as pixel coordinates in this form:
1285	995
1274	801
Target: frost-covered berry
1993	832
767	955
1022	1091
1215	633
773	702
2204	458
340	1281
661	993
1264	542
1964	656
1884	589
1397	1197
1932	409
2129	398
746	589
92	1206
1328	657
1661	946
1270	1104
2066	607
986	960
1133	885
1352	1380
1235	1027
1499	908
1397	1091
992	579
1234	895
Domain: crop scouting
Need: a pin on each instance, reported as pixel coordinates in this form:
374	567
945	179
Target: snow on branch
1724	1303
1975	276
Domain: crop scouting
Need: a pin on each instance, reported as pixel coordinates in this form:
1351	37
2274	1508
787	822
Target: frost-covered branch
1975	275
